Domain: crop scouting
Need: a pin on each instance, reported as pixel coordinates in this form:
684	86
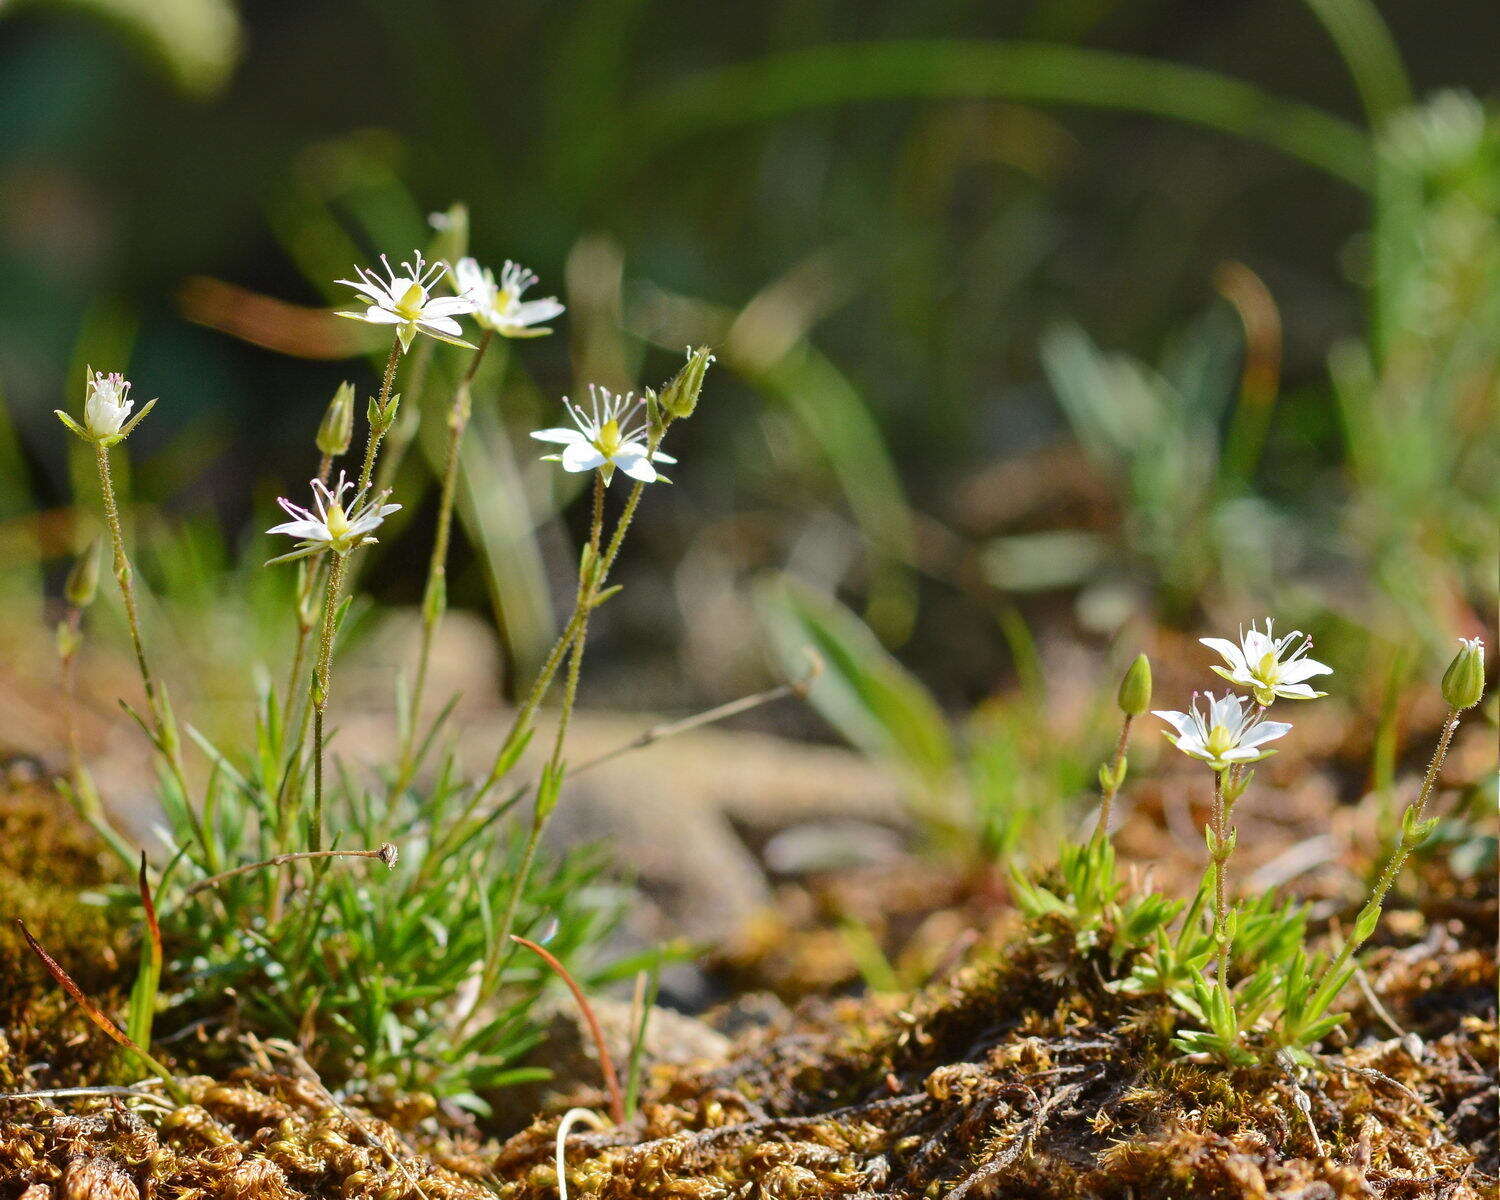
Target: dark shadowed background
920	236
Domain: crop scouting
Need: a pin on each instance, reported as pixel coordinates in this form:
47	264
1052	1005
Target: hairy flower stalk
498	309
334	435
329	526
106	423
1463	687
1223	735
334	529
1133	698
617	433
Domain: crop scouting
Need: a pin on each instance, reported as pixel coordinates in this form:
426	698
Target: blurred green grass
882	215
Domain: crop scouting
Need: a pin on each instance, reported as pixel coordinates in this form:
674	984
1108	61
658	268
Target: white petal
1181	722
1241	754
636	466
1297	691
447	306
381	316
440	325
1303	668
1228	650
303	530
1257	646
658	456
373	290
1264	732
581	456
533	311
565	436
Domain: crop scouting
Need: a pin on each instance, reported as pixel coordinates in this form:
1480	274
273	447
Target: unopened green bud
382	419
1463	681
83	579
337	429
1135	688
680	396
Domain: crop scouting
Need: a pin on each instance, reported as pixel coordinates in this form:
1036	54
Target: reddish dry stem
149	904
65	981
606	1062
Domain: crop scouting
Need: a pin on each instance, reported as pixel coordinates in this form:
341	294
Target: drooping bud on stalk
337	429
680	397
1135	689
1463	681
83	579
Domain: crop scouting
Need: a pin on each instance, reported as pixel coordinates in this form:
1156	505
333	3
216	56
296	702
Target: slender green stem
124	577
589	579
588	591
524	715
408	420
1108	792
165	731
1364	923
305	592
323	671
1219	822
435	594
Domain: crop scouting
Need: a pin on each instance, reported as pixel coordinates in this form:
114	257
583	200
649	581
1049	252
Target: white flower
1223	734
329	525
404	300
499	307
1270	666
612	434
106	407
108	403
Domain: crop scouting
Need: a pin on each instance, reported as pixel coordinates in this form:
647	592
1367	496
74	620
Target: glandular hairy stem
1413	832
163	728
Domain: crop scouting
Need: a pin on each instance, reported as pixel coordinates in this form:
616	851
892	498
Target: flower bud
680	396
107	404
1135	688
337	429
1463	681
83	579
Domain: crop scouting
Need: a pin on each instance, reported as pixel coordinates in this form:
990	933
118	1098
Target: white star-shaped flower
329	525
498	306
108	403
404	299
613	433
1269	666
1222	733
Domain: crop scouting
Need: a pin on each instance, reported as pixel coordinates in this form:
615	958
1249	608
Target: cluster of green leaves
1092	901
374	967
1275	998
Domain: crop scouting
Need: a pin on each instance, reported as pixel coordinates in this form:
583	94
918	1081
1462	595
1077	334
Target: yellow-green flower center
608	440
338	525
1219	741
409	307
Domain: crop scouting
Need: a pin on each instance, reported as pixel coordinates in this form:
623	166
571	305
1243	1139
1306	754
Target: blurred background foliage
1036	321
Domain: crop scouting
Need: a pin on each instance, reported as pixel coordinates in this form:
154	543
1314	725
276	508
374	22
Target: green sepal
74	426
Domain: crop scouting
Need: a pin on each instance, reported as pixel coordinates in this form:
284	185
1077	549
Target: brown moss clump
46	856
1030	1078
258	1136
